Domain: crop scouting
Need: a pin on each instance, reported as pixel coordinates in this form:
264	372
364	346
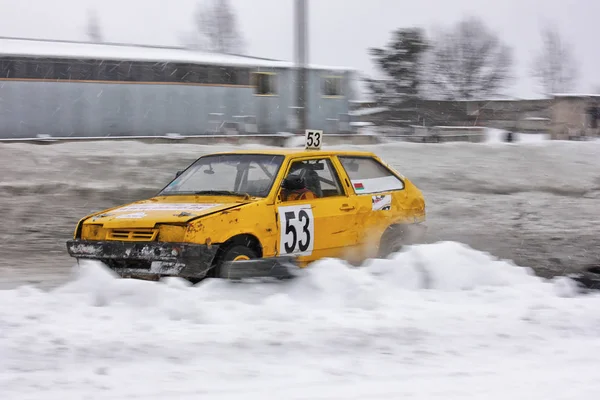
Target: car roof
300	152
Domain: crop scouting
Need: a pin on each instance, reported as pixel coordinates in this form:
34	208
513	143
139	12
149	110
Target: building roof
23	47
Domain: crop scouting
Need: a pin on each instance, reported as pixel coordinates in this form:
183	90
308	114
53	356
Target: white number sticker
313	139
297	227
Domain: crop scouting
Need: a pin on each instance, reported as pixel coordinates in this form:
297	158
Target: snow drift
435	320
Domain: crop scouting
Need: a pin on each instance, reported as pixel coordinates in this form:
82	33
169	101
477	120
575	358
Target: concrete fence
429	135
439	134
273	140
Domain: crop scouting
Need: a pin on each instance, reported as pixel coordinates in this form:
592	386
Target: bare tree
94	32
554	66
468	61
215	29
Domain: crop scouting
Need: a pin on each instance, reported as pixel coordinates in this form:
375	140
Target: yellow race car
258	213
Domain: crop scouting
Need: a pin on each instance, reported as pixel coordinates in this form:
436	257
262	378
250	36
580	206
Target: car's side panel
256	219
317	228
382	202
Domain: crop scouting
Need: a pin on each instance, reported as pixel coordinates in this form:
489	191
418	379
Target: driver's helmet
293	182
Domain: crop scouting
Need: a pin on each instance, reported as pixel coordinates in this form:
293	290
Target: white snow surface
434	321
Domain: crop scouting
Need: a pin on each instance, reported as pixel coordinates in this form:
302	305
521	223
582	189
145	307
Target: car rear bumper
147	259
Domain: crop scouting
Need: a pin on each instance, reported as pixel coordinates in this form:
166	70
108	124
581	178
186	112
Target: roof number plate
313	139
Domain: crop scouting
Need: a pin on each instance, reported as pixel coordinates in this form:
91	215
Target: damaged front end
147	260
150	241
153	260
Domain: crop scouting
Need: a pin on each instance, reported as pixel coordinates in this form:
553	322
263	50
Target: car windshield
228	174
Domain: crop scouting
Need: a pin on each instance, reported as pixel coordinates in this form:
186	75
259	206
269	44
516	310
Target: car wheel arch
245	239
396	231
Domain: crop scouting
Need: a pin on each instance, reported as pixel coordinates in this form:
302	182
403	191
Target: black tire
392	240
230	253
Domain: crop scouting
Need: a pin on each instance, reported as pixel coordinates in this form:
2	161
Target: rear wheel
392	240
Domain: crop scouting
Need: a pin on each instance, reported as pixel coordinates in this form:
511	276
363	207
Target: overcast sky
341	31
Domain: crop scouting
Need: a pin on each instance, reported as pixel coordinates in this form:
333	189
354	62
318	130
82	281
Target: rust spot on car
184	214
194	228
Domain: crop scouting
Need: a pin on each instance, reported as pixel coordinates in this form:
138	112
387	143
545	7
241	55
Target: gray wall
320	108
99	109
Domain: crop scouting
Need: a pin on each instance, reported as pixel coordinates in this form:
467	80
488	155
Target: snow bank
431	321
494	135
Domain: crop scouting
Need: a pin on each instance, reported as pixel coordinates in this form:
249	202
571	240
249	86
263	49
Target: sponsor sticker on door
381	202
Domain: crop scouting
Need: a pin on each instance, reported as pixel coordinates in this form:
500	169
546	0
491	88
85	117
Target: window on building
182	73
127	71
593	114
332	86
228	76
264	83
84	70
243	76
32	69
62	70
7	68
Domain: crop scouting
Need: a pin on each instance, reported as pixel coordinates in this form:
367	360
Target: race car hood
146	214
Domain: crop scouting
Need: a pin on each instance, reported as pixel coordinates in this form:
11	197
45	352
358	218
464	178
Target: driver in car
294	188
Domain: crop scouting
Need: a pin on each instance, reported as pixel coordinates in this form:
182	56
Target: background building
61	88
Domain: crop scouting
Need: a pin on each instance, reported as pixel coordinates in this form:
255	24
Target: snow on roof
504	98
368	111
361	101
22	47
576	94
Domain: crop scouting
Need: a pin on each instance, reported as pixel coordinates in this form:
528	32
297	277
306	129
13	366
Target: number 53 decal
297	227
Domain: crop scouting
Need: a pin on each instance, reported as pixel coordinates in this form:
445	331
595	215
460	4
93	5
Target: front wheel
236	252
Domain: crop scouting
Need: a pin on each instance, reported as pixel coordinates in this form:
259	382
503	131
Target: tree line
461	62
214	28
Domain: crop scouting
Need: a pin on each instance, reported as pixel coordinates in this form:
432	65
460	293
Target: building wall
570	117
30	108
91	109
325	112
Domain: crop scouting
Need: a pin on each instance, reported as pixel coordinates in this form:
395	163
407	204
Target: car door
380	198
320	227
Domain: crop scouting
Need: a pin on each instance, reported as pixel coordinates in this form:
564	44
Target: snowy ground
440	320
437	321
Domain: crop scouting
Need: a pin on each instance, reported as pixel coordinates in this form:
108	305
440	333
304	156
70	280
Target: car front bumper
147	259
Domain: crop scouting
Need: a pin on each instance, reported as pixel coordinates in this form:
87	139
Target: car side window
369	176
320	176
